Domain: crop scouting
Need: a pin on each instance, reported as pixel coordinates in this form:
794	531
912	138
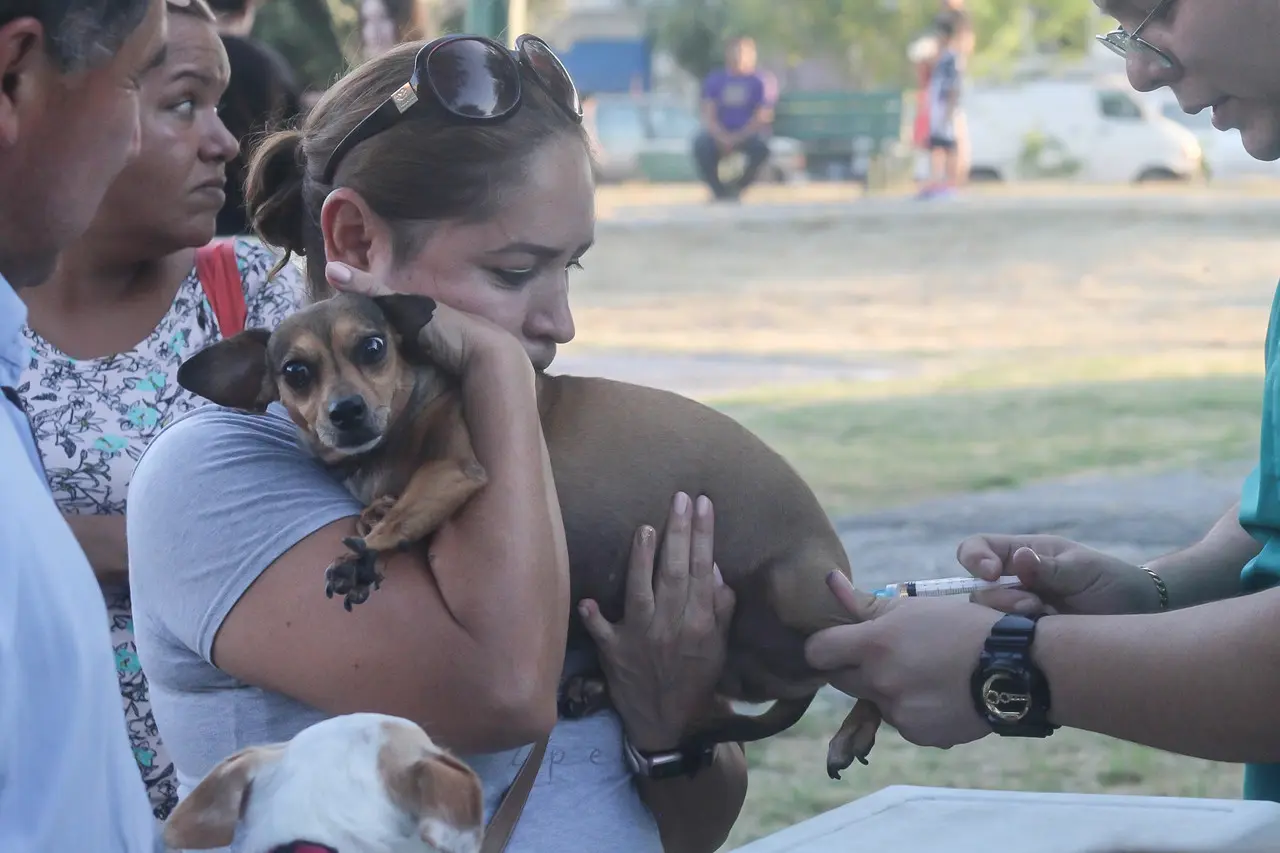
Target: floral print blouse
93	418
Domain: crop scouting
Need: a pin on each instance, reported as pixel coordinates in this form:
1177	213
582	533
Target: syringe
943	586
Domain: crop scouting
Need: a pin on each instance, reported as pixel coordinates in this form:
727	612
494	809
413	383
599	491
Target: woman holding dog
472	187
122	309
1180	654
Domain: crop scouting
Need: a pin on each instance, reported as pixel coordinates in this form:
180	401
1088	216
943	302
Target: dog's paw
854	740
355	576
582	695
373	514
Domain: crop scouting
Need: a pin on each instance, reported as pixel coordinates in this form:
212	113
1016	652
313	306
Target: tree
867	37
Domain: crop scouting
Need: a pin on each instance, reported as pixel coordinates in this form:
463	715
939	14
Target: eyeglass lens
552	73
474	78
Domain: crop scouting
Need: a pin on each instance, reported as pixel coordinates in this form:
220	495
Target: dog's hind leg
746	728
855	738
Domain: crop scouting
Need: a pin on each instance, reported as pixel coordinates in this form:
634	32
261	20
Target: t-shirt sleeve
268	298
768	90
712	86
217	497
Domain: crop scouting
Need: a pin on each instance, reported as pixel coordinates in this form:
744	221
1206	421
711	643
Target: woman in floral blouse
124	307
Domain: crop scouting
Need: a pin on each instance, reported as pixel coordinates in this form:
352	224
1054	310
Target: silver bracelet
1161	589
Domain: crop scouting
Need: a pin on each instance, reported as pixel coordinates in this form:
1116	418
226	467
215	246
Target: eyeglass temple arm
381	119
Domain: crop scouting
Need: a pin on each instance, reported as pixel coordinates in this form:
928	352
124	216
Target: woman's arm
662	662
471	646
695	815
1204	681
231	528
1210	569
102	538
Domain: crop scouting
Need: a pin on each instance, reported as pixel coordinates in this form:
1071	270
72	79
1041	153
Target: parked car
629	131
1088	130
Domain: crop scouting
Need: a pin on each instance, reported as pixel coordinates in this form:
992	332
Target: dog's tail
745	728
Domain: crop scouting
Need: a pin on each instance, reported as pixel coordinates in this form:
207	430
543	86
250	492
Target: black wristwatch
670	764
1009	690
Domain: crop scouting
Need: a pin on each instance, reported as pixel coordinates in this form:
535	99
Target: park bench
845	134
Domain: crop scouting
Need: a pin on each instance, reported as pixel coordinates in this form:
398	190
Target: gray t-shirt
215	499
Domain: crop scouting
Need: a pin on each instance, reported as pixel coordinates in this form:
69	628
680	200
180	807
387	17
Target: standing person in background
262	95
922	53
235	17
737	115
945	86
964	44
68	125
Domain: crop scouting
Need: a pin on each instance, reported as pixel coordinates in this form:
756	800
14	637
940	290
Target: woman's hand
1058	576
455	339
913	658
662	661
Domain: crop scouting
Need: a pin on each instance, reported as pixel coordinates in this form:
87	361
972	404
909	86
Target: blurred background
1071	343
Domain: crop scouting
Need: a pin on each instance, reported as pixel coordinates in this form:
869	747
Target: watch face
1007	696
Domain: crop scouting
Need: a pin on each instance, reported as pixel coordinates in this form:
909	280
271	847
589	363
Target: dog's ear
233	372
443	794
408	315
207	817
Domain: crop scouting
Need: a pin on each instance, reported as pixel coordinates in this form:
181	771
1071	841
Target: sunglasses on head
471	77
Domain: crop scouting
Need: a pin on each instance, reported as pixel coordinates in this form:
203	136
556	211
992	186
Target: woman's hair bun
273	191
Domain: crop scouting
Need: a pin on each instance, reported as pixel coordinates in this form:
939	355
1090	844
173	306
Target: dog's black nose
349	412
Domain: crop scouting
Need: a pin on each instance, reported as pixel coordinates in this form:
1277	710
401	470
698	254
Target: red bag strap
219	275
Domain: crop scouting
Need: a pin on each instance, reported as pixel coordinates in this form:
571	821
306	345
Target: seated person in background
125	304
737	115
262	95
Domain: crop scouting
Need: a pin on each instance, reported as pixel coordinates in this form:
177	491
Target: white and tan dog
359	783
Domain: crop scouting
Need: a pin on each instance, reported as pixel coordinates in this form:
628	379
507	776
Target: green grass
860	452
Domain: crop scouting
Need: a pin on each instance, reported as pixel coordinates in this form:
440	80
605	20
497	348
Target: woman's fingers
1009	600
348	279
640	576
600	628
672	585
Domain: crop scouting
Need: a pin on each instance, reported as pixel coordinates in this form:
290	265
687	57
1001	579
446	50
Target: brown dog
354	374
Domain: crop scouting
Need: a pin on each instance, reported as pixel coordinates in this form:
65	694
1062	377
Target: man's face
1224	59
740	56
63	139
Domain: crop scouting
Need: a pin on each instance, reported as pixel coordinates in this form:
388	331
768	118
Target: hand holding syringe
943	586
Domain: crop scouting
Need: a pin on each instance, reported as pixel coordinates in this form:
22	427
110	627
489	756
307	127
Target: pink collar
303	847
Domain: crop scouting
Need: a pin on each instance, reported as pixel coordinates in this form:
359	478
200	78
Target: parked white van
1085	130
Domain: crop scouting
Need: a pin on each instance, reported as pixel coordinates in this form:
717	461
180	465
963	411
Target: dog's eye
296	375
372	349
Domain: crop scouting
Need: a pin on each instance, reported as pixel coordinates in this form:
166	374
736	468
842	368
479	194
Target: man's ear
409	315
233	372
21	56
443	795
354	234
207	817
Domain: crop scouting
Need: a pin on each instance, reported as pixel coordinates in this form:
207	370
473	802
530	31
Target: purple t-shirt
738	96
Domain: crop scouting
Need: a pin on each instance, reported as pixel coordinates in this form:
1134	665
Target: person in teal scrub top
1183	653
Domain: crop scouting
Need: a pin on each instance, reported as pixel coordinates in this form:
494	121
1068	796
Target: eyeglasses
471	77
1120	42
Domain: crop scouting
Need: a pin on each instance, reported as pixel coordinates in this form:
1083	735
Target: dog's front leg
434	493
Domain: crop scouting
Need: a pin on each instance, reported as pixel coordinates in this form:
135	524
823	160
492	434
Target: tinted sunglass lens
554	76
473	78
